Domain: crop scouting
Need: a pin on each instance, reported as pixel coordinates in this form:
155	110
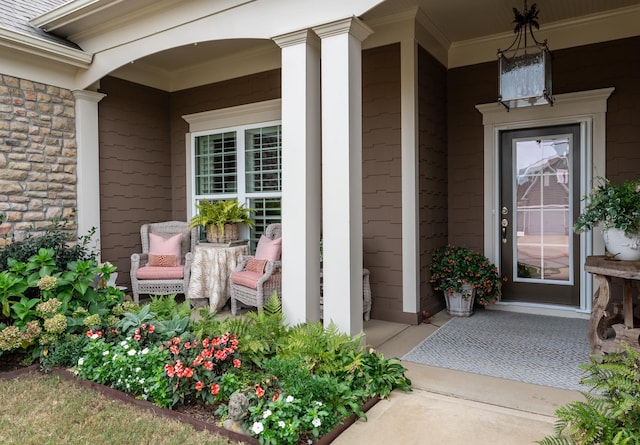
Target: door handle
503	227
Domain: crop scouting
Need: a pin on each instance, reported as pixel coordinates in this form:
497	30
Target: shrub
58	236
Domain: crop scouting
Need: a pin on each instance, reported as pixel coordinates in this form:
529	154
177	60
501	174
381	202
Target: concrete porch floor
450	407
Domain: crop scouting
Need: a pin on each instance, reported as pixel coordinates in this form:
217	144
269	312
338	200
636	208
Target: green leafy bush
611	413
59	236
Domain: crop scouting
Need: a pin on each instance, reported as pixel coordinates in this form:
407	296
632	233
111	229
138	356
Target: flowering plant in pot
616	208
455	269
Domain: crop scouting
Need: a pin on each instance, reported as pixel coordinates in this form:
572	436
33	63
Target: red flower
259	391
137	337
169	370
151	328
215	389
237	363
205	343
208	365
275	396
220	355
174	350
199	386
188	372
187	345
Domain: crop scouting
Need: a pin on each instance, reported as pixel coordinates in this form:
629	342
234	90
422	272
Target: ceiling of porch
460	28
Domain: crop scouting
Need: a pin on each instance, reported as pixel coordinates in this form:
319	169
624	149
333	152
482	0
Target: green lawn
46	409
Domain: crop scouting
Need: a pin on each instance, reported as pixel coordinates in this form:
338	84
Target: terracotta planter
620	246
460	304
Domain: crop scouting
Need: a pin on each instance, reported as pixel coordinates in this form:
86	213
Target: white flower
266	414
319	403
257	427
316	422
105	353
144	351
141	381
281	424
289	399
115	356
80	361
124	344
138	369
94	336
131	352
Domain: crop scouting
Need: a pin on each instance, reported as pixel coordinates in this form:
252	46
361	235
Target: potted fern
221	218
616	208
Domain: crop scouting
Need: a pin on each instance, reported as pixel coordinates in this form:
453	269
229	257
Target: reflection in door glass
542	209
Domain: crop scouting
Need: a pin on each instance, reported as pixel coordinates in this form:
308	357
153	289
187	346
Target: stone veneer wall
37	154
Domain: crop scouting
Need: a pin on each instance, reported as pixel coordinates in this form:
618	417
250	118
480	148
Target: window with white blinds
243	162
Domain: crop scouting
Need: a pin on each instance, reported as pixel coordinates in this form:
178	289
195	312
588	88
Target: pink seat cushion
158	245
160	273
246	278
268	249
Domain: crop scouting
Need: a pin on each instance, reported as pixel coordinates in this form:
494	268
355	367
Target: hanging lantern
525	70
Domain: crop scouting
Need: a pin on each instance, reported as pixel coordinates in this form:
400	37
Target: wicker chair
262	285
152	280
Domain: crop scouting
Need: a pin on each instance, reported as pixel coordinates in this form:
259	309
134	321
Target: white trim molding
44	48
587	108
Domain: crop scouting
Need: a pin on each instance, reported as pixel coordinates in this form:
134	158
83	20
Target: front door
539	193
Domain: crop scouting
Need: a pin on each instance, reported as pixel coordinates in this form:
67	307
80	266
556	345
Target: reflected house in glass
543	219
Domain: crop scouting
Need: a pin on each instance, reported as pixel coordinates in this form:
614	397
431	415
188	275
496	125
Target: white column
300	176
410	177
342	172
88	186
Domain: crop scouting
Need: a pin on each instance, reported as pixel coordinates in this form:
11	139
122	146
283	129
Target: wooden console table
605	313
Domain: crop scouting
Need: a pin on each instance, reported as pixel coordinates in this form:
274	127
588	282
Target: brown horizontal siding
135	166
381	172
432	101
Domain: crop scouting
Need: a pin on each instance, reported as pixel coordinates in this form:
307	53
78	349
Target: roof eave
68	13
50	50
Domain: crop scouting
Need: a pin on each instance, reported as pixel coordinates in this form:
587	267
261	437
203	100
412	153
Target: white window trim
587	108
268	113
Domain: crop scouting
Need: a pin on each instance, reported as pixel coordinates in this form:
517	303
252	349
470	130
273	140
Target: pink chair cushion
160	273
158	245
246	278
268	249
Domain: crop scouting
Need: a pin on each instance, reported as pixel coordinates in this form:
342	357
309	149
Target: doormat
528	348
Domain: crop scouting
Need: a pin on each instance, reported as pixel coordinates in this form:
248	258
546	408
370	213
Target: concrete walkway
452	407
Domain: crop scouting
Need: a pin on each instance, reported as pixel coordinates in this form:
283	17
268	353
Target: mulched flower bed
197	416
11	361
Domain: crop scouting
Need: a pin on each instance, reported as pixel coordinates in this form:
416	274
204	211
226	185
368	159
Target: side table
605	313
210	270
